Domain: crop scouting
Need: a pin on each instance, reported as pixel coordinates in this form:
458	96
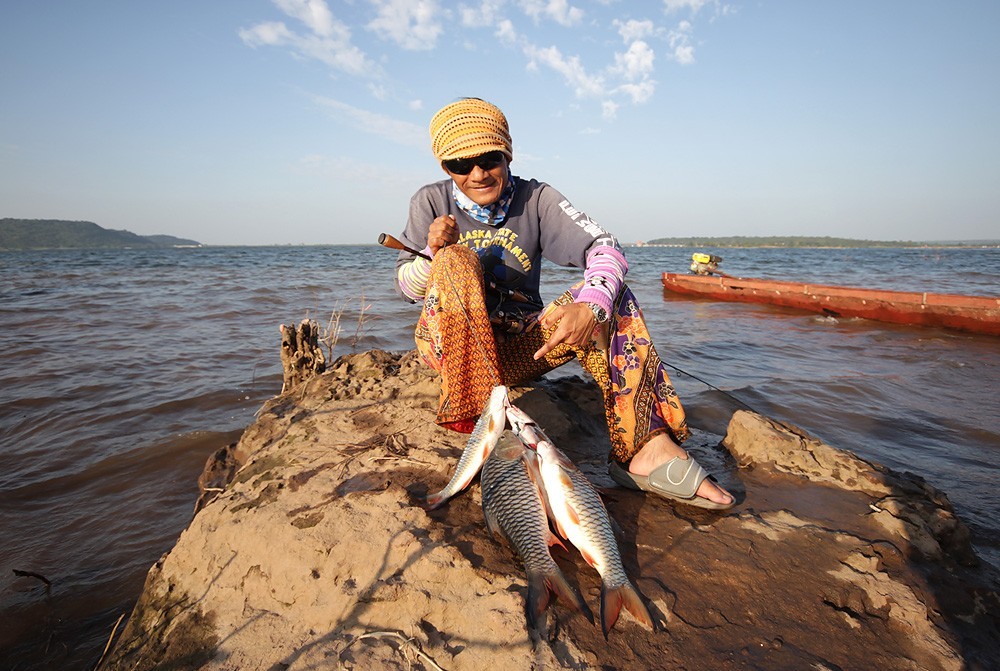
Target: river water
122	371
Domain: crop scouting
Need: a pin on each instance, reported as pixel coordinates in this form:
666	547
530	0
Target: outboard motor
705	264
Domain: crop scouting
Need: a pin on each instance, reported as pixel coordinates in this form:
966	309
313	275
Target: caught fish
514	508
580	516
484	437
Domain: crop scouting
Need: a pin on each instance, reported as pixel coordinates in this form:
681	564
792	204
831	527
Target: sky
251	122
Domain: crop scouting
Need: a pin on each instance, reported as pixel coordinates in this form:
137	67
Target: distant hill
806	241
58	234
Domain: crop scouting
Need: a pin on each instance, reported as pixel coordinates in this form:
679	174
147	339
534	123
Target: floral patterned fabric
454	337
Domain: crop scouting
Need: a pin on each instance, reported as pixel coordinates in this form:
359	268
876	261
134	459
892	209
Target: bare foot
661	449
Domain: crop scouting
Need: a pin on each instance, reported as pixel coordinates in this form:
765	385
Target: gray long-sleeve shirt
540	222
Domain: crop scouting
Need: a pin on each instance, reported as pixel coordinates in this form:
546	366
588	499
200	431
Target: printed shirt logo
480	239
583	221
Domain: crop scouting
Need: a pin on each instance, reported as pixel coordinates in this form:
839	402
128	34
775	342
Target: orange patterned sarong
454	336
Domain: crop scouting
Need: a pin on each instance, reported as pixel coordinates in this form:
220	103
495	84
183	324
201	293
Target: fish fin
559	527
543	586
612	601
491	523
634	605
565	480
434	501
566	593
554	540
574	517
531	464
611	607
587	557
538	598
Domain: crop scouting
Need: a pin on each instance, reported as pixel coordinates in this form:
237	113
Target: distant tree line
19	234
790	241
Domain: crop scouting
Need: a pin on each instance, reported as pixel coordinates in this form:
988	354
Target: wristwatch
600	314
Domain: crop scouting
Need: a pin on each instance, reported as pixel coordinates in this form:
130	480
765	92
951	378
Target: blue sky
304	121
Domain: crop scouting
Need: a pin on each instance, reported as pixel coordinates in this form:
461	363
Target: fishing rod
387	240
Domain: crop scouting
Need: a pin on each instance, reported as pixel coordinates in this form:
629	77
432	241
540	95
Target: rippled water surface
122	371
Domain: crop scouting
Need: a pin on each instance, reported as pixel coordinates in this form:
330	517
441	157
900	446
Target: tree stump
301	356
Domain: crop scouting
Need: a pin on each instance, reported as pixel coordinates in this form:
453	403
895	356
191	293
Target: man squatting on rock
483	321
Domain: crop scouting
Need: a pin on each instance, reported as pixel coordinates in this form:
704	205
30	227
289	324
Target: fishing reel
705	264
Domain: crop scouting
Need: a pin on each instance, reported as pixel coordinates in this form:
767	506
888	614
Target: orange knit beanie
469	127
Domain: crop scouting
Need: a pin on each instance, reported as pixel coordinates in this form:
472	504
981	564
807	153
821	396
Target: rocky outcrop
319	554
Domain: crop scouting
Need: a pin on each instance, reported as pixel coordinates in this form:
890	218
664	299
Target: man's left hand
574	325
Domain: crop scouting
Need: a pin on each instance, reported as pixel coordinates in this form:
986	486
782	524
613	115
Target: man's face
485	182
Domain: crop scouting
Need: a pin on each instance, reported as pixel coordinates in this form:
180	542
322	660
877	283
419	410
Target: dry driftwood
301	356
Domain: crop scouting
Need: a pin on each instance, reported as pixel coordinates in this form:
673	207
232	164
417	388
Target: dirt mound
318	552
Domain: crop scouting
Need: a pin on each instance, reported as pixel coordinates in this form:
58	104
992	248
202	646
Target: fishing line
711	386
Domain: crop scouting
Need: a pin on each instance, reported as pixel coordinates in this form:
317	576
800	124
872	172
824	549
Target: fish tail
434	501
612	601
543	586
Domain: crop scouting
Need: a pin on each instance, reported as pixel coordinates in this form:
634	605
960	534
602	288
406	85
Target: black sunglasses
463	166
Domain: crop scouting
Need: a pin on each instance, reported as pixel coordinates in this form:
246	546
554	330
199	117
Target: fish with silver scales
579	515
515	508
483	439
527	483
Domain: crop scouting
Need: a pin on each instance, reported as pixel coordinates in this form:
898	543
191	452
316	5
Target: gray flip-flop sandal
678	480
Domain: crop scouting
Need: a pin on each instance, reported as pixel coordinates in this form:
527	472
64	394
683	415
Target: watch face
600	314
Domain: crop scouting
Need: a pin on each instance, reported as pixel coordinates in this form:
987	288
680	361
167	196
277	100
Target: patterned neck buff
491	215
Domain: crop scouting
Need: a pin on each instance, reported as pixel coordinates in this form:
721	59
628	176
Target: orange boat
976	314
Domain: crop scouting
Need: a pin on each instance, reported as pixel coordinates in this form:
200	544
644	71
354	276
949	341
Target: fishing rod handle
387	240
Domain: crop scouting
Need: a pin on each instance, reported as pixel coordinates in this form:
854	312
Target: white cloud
486	13
506	32
394	130
271	33
679	40
677	5
639	92
636	62
719	8
412	24
629	76
416	105
314	13
327	39
559	11
684	55
627	79
632	30
584	85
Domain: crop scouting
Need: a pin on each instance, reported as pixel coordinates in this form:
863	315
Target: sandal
678	480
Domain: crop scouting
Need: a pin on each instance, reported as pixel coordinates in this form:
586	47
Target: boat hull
976	314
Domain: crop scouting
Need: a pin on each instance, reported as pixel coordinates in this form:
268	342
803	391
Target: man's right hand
443	232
